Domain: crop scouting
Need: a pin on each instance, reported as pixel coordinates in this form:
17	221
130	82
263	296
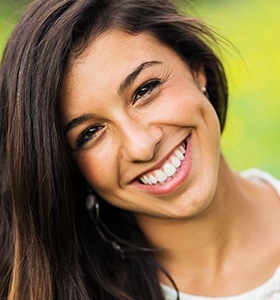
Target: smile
168	169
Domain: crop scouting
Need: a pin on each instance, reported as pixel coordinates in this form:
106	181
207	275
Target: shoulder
270	289
256	174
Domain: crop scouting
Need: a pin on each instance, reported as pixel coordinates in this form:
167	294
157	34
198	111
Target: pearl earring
204	91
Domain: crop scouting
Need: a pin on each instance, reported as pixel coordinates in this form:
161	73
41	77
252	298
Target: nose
139	141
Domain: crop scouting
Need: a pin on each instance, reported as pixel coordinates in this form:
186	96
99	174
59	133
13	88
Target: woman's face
142	133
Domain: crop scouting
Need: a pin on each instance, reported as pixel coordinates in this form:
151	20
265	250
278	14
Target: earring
119	245
92	203
204	91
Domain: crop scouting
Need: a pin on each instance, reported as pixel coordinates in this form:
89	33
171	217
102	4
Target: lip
175	181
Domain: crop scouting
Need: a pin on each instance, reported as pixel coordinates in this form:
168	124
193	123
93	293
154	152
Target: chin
196	201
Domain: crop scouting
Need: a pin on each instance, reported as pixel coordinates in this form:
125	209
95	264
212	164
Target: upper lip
160	163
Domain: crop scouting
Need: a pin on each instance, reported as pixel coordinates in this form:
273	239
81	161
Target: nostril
144	160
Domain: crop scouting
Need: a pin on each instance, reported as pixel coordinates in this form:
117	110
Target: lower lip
176	181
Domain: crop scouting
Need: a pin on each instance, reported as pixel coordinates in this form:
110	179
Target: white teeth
175	161
153	179
147	179
179	154
160	176
169	169
182	149
143	180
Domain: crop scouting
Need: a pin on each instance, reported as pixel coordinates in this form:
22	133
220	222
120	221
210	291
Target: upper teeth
168	169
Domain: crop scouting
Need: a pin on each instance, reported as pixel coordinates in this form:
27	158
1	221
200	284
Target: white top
269	290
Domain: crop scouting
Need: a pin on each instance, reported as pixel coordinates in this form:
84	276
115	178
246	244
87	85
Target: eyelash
148	87
87	135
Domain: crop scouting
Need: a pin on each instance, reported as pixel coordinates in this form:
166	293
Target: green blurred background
252	134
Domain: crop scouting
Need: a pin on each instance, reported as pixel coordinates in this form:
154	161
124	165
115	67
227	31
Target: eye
146	90
87	135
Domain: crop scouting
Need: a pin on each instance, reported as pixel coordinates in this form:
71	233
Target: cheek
187	108
99	170
191	107
211	121
181	98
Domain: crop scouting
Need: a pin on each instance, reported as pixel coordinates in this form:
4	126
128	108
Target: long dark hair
50	248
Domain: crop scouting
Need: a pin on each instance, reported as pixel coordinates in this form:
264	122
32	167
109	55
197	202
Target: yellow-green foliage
9	13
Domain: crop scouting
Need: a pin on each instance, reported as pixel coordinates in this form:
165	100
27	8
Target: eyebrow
75	122
123	86
132	76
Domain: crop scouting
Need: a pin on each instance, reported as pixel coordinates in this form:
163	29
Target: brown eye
146	89
88	134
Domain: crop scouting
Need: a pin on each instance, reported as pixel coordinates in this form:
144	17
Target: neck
201	239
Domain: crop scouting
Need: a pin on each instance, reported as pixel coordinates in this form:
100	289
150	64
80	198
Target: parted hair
50	248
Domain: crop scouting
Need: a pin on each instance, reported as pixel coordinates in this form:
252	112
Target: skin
224	217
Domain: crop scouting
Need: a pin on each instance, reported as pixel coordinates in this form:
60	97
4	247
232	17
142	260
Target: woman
112	181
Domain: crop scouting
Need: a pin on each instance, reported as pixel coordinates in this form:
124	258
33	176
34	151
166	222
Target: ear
200	77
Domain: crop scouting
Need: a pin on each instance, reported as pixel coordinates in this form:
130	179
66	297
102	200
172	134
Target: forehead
115	41
114	53
98	71
119	38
